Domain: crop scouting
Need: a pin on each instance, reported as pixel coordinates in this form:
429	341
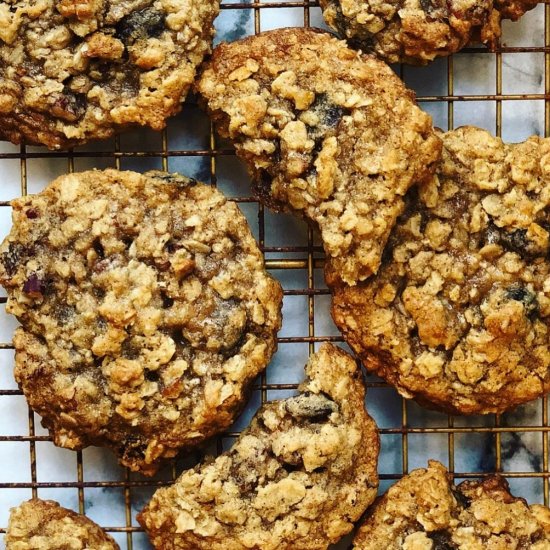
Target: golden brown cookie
71	71
44	525
426	511
418	31
326	132
296	479
146	311
458	316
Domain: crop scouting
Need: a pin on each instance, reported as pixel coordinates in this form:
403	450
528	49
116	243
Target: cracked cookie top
418	31
458	315
76	70
326	132
44	525
426	511
145	307
295	479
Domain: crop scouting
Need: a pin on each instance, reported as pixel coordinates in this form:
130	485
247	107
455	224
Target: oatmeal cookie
458	315
44	525
326	132
418	31
426	511
75	70
146	311
296	479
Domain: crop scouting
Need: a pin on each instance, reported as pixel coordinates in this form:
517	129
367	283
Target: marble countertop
519	450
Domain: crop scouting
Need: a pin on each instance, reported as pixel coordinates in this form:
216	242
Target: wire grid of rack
409	435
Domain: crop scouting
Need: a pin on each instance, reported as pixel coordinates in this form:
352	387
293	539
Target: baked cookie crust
146	311
326	132
71	71
458	316
296	479
45	525
418	31
426	511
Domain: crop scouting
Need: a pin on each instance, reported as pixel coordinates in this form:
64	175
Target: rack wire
515	444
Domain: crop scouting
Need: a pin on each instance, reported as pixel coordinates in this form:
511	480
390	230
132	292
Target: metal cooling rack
474	87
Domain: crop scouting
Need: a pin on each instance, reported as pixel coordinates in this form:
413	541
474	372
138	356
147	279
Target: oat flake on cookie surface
296	479
458	316
76	70
44	525
145	307
326	132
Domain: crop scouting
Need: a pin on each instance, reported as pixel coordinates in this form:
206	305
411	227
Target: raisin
514	241
12	257
528	299
167	301
171	246
34	286
152	375
313	407
461	498
68	106
289	468
133	448
329	115
140	24
64	313
442	541
98	247
129	350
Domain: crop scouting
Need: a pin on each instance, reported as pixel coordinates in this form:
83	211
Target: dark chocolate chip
32	213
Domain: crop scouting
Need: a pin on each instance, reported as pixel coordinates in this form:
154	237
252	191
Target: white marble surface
474	74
